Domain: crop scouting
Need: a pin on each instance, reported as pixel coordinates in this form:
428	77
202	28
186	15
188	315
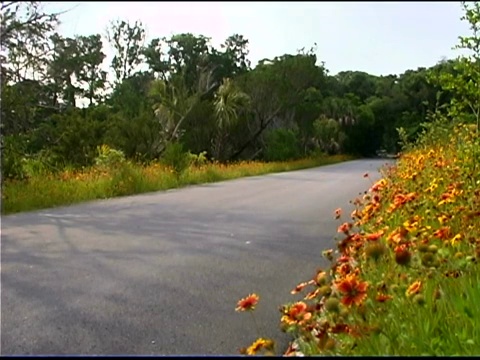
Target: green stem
256	325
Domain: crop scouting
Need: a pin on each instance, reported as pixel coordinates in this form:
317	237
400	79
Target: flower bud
402	256
422	248
332	305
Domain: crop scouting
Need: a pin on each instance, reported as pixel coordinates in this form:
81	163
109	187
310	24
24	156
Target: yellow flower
456	239
442	219
412	224
258	345
432	187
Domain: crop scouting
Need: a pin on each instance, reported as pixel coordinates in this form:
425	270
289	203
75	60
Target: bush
38	165
197	159
108	157
282	145
176	158
11	160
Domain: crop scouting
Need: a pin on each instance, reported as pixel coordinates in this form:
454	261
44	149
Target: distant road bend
161	273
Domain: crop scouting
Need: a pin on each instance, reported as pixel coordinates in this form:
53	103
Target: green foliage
108	157
139	137
197	160
462	82
17	163
13	150
228	102
40	164
282	145
71	138
363	134
327	133
176	158
403	142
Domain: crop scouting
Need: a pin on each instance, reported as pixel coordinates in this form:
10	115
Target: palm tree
229	100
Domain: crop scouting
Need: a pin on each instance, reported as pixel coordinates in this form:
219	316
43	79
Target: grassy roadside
49	190
405	277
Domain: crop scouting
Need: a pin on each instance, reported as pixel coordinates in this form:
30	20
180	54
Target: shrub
12	158
282	145
176	158
197	159
108	157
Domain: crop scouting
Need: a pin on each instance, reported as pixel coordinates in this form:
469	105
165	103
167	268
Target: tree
64	68
127	41
328	134
229	100
236	50
275	88
90	72
174	102
466	86
23	106
24	34
156	58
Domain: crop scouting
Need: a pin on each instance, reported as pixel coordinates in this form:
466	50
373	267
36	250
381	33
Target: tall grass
120	179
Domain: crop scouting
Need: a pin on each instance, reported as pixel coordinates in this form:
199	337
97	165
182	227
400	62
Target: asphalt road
161	273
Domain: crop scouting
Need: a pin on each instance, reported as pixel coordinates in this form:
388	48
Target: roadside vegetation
405	276
120	178
163	100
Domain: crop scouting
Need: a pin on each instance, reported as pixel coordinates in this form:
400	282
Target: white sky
379	38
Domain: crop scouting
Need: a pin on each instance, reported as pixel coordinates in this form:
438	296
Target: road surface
161	273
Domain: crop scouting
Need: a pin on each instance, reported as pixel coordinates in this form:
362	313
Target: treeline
182	90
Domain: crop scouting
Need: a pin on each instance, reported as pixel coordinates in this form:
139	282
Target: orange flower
442	233
344	269
401	199
313	294
446	198
356	214
414	288
297	313
344	259
248	303
383	297
345	228
300	287
397	235
374	236
355	292
379	185
338	213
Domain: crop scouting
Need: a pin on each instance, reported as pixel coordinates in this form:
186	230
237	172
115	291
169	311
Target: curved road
161	273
